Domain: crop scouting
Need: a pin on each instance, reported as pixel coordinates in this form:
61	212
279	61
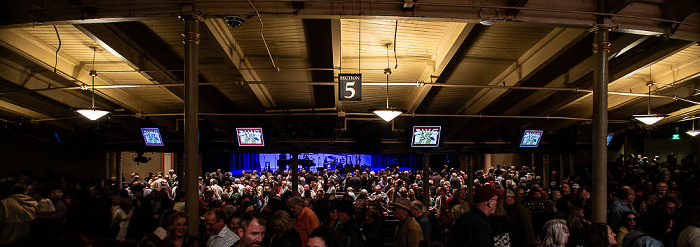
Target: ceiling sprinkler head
234	21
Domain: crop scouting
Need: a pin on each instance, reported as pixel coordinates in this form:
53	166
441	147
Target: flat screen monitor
250	137
531	138
426	136
151	136
610	136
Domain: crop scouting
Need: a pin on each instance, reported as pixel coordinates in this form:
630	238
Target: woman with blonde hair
284	233
555	233
178	232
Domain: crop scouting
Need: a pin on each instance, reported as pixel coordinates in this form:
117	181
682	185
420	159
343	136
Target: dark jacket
520	226
408	233
350	234
471	230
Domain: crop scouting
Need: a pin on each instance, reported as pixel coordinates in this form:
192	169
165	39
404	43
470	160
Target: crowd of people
651	203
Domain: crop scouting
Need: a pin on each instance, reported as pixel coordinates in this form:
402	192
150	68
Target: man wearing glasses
473	228
624	204
219	234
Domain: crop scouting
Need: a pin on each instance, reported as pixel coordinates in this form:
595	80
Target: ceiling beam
31	80
445	51
220	30
21	110
624	70
576	72
644	17
119	45
615	6
548	48
679	9
38	51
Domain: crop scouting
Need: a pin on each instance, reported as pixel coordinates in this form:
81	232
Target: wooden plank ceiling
432	62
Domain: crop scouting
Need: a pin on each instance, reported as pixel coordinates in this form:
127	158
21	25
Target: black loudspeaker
616	143
368	137
565	139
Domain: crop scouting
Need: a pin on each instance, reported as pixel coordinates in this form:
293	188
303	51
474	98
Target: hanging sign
350	87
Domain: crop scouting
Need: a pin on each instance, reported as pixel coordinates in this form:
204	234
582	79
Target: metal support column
601	48
295	172
426	180
191	40
470	163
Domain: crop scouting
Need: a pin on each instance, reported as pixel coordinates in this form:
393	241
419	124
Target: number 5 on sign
350	87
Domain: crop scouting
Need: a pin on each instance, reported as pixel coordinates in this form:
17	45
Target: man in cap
408	233
472	228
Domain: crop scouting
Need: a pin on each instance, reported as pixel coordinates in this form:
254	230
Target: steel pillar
601	48
191	40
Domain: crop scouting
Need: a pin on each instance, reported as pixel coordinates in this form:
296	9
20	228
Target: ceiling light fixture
92	113
649	119
693	132
387	114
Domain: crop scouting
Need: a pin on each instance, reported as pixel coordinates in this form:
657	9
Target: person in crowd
499	225
555	233
323	237
601	235
519	222
628	224
122	217
304	218
284	232
661	189
578	227
408	232
163	224
252	230
690	236
178	234
372	228
420	214
16	214
651	233
332	219
473	227
624	204
349	230
45	228
219	234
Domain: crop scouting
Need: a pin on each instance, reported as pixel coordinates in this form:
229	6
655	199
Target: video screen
426	136
151	136
250	137
531	138
610	136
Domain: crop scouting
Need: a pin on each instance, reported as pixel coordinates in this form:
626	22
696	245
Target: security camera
234	21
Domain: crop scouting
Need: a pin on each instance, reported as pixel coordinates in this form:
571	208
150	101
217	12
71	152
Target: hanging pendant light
387	113
649	119
693	132
92	113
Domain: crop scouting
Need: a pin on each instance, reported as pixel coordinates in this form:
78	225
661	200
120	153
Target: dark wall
28	154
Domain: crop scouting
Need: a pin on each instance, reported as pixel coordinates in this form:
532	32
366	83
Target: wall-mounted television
426	136
250	137
152	137
531	138
610	136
